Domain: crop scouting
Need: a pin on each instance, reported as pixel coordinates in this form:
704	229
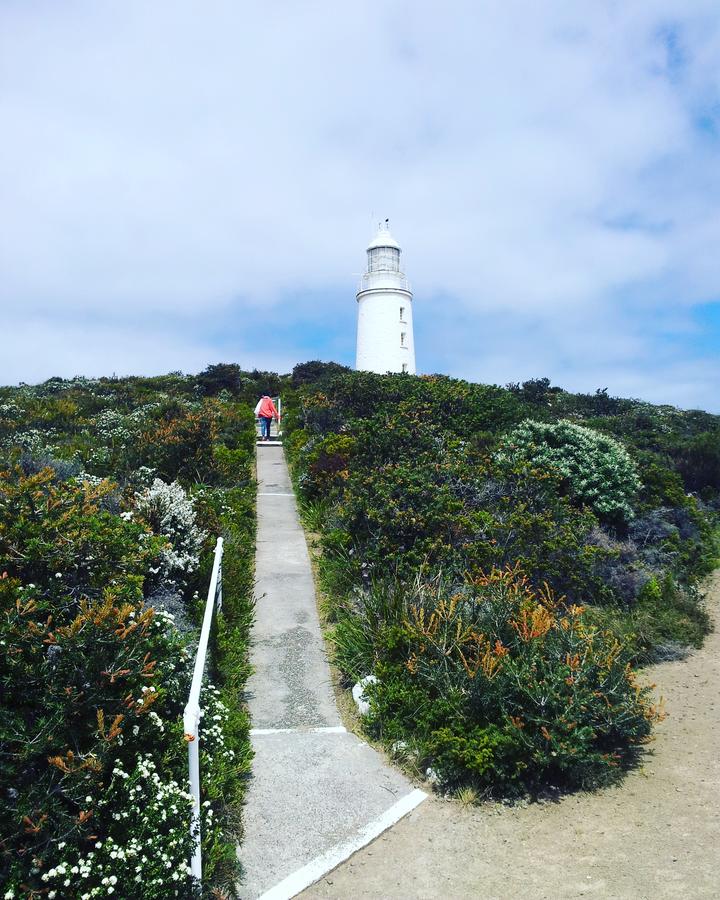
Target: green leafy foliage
503	687
422	486
315	371
100	584
596	471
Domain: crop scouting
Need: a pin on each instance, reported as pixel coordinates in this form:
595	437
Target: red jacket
266	409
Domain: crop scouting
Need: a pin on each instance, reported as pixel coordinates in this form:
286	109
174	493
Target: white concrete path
318	793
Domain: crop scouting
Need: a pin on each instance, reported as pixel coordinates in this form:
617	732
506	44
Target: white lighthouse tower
385	323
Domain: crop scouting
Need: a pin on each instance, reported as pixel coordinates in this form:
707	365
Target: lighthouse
385	322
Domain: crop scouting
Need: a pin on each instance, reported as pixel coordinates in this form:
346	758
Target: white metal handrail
192	715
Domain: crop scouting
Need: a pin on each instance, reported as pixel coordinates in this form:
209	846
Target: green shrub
507	688
664	622
596	470
80	556
698	461
326	463
91	681
315	371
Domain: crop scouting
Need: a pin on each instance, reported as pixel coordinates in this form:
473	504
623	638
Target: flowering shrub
145	852
181	439
101	675
501	685
596	470
168	510
93	674
436	505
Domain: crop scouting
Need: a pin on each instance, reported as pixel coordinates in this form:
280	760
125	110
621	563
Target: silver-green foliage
597	470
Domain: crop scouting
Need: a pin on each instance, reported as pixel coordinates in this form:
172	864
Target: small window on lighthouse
402	339
404	367
402	313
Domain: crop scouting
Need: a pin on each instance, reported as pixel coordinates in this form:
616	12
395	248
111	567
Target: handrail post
191	718
194	771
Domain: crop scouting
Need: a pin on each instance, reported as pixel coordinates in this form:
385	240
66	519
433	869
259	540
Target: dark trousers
265	424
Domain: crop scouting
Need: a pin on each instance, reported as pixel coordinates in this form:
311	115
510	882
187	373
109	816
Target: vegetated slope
498	558
655	835
112	492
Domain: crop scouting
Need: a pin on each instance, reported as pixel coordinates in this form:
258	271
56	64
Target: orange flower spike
148	669
500	649
490	662
31	827
613	653
542	621
572	662
59	763
489	665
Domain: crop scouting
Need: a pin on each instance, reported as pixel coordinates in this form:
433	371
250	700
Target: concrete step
317	797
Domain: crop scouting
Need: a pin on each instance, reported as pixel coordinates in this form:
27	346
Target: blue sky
186	183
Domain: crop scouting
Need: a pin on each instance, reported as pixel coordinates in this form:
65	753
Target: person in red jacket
266	412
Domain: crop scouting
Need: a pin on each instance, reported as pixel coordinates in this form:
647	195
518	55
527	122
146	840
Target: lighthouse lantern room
385	323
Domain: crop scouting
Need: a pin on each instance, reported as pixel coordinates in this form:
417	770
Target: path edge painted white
302	878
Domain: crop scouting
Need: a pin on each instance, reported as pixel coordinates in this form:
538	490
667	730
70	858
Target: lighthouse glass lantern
383	259
385	326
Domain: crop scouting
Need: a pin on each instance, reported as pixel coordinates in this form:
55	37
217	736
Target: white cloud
41	348
554	162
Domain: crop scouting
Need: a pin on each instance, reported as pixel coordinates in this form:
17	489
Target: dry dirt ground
657	835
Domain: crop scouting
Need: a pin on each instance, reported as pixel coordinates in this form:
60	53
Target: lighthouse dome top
383	239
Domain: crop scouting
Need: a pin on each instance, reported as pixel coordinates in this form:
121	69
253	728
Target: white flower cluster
170	512
10	411
113	430
111	427
157	814
33	440
91	480
214	718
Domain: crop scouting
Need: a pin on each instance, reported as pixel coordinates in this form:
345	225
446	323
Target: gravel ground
655	836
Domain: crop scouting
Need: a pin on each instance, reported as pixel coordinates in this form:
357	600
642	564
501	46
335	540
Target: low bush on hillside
595	470
495	684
